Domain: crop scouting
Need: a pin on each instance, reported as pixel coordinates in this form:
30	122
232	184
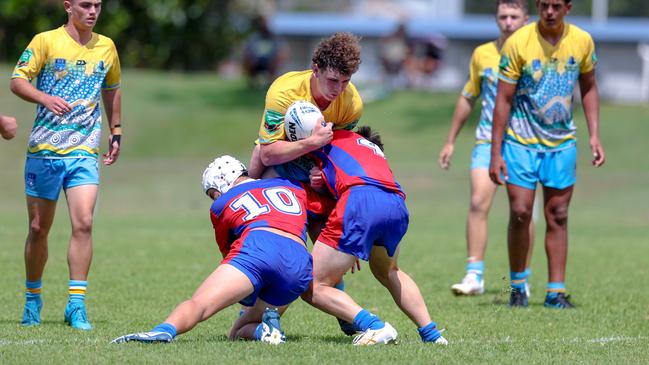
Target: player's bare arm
281	152
113	107
463	109
501	117
26	91
590	102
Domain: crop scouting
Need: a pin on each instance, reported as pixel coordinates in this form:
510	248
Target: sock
518	280
429	333
77	291
475	267
165	327
555	288
258	331
365	320
528	272
340	285
33	290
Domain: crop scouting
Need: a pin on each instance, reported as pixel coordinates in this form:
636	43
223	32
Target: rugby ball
300	119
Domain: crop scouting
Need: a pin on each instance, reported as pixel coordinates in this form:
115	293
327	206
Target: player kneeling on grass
260	229
368	222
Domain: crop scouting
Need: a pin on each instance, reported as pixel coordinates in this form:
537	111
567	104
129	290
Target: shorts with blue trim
45	177
279	268
553	169
481	156
366	216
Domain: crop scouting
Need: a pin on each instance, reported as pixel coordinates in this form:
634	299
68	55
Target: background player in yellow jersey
328	85
539	70
8	127
74	66
483	81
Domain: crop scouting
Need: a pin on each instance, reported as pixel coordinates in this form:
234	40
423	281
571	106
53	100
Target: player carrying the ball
328	86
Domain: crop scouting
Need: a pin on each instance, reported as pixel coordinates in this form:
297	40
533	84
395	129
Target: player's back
271	203
351	160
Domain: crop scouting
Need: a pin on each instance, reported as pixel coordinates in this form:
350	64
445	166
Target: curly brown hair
340	52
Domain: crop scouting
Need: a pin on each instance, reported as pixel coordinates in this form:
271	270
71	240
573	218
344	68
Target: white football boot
441	341
385	335
470	285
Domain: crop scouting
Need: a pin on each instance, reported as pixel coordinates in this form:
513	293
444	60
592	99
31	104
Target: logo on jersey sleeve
273	120
25	57
504	62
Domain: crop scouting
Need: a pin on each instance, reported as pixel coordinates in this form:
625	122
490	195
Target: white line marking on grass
601	340
49	342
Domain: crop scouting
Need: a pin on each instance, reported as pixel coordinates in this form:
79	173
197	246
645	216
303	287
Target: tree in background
174	34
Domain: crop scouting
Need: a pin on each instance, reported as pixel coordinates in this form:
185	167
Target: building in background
622	41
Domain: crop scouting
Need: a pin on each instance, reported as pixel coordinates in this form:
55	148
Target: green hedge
165	34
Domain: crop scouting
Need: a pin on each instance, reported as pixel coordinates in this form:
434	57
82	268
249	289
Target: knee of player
38	231
521	213
557	215
82	225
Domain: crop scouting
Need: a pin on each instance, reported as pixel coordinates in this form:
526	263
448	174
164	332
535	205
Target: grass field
154	242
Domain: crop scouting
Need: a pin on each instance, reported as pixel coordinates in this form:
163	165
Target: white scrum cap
221	173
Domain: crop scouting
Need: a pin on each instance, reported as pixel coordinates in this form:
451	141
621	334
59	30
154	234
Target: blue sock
340	285
429	333
476	267
33	290
365	320
528	273
165	327
258	331
518	280
555	288
77	291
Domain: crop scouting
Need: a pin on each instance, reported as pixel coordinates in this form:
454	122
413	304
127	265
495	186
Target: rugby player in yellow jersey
534	136
482	83
74	67
328	85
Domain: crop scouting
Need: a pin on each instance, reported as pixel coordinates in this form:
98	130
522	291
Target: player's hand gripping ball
300	119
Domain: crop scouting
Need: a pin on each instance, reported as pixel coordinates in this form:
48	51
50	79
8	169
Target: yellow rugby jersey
78	74
483	83
546	77
344	112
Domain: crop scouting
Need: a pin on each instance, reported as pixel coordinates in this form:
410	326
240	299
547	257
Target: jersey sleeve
32	59
590	56
511	63
272	122
472	88
221	235
114	75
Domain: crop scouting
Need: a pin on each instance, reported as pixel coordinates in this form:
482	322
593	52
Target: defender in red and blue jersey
357	174
260	228
257	224
368	222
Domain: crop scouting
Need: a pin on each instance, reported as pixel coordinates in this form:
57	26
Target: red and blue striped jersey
351	160
271	203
